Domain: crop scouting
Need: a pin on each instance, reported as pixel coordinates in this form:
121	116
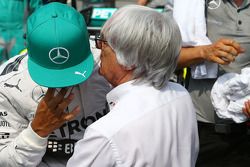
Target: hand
246	109
50	113
142	2
223	51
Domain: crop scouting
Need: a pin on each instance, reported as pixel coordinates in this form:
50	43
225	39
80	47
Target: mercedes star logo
213	4
38	93
59	55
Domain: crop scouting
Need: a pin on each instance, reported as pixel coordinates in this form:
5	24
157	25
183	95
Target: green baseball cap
58	46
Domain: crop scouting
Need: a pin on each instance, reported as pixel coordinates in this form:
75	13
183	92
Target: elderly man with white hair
151	120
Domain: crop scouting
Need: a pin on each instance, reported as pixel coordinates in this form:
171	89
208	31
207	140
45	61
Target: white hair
145	39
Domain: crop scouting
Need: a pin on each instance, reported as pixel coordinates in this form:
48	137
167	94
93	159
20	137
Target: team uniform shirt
19	97
13	17
224	20
145	127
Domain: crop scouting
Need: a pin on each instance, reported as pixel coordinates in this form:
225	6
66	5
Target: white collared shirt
145	127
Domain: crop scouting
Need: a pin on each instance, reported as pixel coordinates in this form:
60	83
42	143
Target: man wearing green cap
59	58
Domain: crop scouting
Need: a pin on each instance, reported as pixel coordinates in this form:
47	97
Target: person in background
222	142
63	62
13	17
151	120
156	3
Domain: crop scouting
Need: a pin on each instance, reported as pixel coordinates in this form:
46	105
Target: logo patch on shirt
81	73
13	85
38	93
4	135
61	148
213	4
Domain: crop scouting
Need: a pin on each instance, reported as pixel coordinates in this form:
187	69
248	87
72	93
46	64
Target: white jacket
19	96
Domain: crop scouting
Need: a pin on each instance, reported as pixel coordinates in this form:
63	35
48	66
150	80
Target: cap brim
58	78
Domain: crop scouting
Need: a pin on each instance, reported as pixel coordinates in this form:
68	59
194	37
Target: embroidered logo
82	74
54	146
59	55
13	86
37	93
213	4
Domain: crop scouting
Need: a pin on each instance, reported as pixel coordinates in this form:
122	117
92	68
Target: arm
26	142
19	145
223	51
189	56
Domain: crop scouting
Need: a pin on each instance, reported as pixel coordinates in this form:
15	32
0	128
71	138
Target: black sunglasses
98	41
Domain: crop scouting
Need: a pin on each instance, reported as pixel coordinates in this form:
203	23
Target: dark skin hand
50	113
246	109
